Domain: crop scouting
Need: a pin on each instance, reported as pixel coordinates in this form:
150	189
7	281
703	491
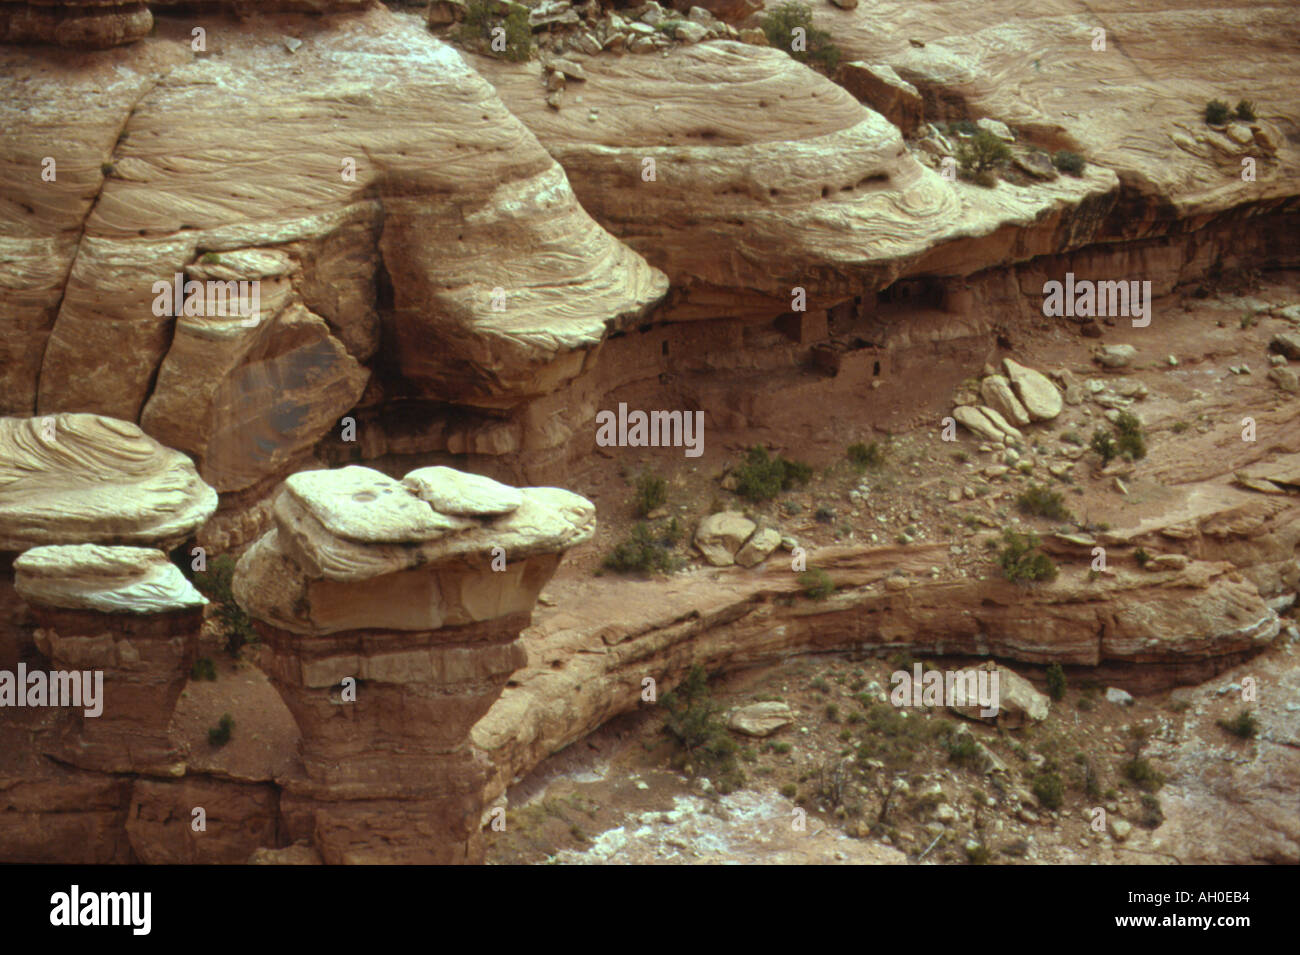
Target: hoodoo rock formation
392	613
128	614
87	479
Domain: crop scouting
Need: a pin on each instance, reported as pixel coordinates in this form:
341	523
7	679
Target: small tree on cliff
980	154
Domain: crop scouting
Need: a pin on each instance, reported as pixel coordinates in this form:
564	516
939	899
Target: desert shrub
866	456
780	28
1104	444
1056	681
824	515
1069	162
203	669
651	493
694	724
1216	112
789	790
219	735
643	551
762	477
1129	438
1049	790
978	155
1244	724
215	584
962	749
1022	561
106	168
1245	109
1142	557
832	713
210	258
895	739
816	583
1152	815
978	854
1142	774
1040	501
481	19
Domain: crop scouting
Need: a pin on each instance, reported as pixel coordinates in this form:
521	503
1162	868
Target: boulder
456	492
998	129
1017	702
1039	396
997	394
758	547
760	719
977	422
1008	432
1118	697
1286	343
1114	356
720	536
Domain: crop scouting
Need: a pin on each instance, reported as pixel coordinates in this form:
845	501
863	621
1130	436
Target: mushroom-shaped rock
417	590
125	622
77	478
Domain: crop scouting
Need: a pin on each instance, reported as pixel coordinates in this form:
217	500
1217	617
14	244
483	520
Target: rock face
126	614
793	166
487	300
404	618
878	86
1182	626
82	24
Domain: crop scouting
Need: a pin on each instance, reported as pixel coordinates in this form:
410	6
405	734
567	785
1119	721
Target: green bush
1243	724
203	669
978	854
1217	112
1129	437
1069	162
215	584
1056	681
651	493
1152	815
762	477
1104	444
779	27
1040	501
481	19
1022	561
962	749
866	456
1142	774
694	724
219	735
978	155
1049	790
643	551
1245	109
1142	557
816	583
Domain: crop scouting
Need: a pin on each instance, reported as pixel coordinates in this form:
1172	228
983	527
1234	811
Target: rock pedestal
126	622
84	478
392	612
